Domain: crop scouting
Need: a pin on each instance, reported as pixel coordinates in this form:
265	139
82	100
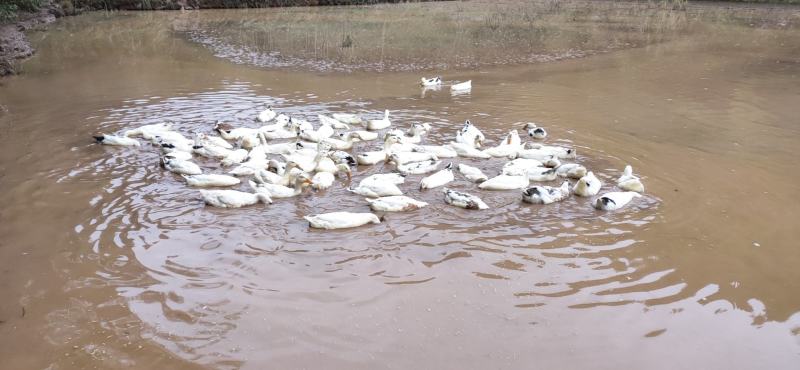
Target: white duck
345	144
431	82
394	178
506	182
440	178
228	132
379	124
324	180
235	157
116	140
468	151
615	200
341	220
557	151
509	147
208	180
470	135
462	87
546	194
377	187
542	174
463	200
333	122
205	139
441	151
148	131
350	119
571	170
520	165
473	174
373	157
180	167
323	132
179	155
415	133
233	198
211	151
279	191
362	135
396	203
267	115
419	168
587	186
630	182
535	131
401	158
287	177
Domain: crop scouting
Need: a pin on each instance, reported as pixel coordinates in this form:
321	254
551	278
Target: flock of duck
287	155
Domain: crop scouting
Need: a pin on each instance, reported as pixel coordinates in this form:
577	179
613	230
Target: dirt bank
14	46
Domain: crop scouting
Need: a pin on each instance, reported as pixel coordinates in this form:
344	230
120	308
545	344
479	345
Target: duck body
370	158
211	151
463	200
393	178
462	87
205	139
587	186
419	168
630	182
556	151
350	119
614	200
341	220
396	203
322	180
181	167
267	115
376	189
546	194
541	174
333	122
280	191
473	174
505	182
209	180
520	165
401	158
440	178
535	131
235	157
179	155
148	131
440	151
468	151
233	198
571	170
470	135
379	124
116	140
362	135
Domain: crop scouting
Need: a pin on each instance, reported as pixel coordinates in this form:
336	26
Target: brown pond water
106	261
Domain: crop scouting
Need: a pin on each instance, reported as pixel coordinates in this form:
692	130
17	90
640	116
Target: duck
614	200
291	129
180	167
375	186
345	144
148	131
630	182
362	135
470	135
463	200
205	139
235	157
441	151
395	203
228	132
379	124
116	140
267	115
587	186
323	132
256	160
462	87
509	147
415	133
207	180
287	177
373	157
211	151
546	194
401	158
431	82
325	163
440	178
468	151
571	170
333	122
535	131
473	174
520	165
341	220
393	178
279	191
174	146
233	198
556	151
542	174
179	155
550	162
348	118
324	180
506	182
419	168
342	157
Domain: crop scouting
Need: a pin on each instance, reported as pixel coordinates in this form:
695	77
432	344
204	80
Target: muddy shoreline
14	44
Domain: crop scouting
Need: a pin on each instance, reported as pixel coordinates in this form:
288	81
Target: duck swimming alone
341	220
233	198
587	186
546	194
267	115
630	182
463	200
440	178
614	200
396	203
116	140
535	131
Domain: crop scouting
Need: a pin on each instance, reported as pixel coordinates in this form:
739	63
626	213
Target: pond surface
110	262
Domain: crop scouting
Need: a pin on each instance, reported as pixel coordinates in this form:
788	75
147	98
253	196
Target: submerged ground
109	262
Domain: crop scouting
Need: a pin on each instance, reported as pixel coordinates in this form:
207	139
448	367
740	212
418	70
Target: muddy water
109	262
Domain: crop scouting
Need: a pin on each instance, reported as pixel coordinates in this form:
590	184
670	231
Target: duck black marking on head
449	166
607	200
532	191
99	138
197	146
168	146
538	130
